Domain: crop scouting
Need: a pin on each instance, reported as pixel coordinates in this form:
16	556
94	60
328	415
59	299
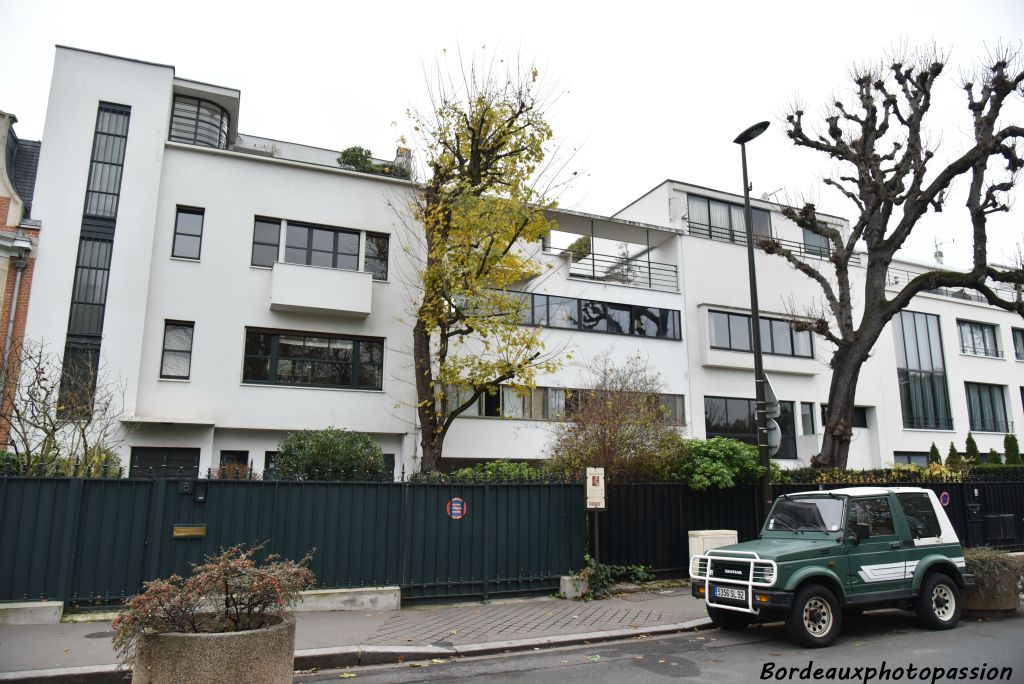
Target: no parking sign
456	508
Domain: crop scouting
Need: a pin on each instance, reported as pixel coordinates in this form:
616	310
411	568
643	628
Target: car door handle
895	545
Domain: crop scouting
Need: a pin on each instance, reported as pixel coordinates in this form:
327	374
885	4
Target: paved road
889	636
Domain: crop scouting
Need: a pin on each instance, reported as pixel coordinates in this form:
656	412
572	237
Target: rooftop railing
898	277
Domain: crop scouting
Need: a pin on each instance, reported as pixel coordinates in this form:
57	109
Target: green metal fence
96	541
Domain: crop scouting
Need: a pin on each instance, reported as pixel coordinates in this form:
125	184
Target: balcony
632	271
314	289
821	251
898	277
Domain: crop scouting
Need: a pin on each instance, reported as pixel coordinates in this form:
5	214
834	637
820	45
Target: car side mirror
862	531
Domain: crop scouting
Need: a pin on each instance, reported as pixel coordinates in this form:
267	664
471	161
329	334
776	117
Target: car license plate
730	593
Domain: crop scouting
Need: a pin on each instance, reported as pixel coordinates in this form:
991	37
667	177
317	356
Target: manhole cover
99	635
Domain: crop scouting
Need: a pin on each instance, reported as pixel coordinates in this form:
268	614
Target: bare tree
880	144
616	421
57	422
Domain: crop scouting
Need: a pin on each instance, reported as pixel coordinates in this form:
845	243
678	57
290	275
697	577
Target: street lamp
764	458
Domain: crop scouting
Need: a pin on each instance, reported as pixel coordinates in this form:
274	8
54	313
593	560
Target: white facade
665	268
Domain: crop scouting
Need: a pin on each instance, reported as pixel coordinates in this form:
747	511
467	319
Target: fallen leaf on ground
712	660
436	660
66	651
417	665
309	671
661	660
346	675
594	658
638	658
565	662
453	632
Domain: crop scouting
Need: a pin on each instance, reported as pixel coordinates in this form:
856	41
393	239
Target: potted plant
228	622
999	581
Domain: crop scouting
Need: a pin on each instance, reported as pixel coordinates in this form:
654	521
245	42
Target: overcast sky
651	90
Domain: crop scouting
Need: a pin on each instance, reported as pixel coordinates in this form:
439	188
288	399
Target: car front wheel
815	619
938	605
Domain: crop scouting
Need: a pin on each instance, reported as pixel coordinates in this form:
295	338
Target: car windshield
820	514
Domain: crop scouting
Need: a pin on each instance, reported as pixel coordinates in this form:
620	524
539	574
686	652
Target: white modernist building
241	288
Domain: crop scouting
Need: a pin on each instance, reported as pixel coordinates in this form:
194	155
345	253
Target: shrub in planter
329	454
1000	578
228	622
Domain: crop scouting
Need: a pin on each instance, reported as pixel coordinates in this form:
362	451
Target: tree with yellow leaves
480	211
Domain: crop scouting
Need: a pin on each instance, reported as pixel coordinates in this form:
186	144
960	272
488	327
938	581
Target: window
860	416
543	403
918	458
920	515
921	371
79	367
230	457
326	247
731	331
724	221
199	122
188	233
979	339
874	512
176	360
269	461
986	408
736	419
303	360
89	291
591	315
807	417
108	147
376	259
266	237
1018	343
816	245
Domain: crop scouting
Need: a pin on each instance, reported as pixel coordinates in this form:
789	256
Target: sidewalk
338	639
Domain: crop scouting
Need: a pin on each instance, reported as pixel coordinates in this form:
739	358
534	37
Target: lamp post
764	498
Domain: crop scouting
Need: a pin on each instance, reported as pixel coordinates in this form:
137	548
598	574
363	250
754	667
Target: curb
351	656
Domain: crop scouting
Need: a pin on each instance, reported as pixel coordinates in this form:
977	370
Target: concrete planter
998	597
257	656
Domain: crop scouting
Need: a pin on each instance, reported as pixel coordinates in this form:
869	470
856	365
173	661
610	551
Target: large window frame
1018	343
371	254
735	418
181	231
986	408
596	316
545	404
921	372
777	335
979	339
197	121
266	363
106	163
270	238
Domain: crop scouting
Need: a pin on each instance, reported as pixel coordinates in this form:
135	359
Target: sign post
595	503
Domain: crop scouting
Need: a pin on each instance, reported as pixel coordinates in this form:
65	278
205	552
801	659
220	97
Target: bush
717	463
600	576
329	454
953	459
897	474
993	458
972	456
1003	471
934	456
1011	449
227	593
988	564
498	471
360	159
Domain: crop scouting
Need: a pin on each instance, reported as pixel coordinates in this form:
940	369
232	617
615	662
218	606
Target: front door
877	563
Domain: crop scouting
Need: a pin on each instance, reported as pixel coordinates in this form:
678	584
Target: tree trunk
835	447
431	438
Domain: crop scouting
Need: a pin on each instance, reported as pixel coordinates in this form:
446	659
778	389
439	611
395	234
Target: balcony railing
1003	426
927	423
636	271
981	351
801	249
898	277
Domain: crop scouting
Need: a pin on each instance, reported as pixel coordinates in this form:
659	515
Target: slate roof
23	171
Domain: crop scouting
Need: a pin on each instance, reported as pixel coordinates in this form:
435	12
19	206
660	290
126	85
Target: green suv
825	553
